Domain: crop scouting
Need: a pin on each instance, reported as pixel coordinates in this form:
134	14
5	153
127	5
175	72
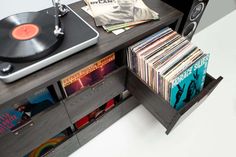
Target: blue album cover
38	102
189	83
21	112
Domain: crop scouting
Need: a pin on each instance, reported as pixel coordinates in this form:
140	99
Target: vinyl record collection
171	65
47	147
95	114
92	116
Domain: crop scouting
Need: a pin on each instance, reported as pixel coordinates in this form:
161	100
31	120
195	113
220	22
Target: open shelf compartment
92	97
45	125
103	122
159	107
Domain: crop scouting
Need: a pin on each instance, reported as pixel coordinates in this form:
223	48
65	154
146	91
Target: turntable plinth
28	42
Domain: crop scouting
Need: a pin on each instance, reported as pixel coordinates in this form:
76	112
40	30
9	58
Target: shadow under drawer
90	98
159	107
45	125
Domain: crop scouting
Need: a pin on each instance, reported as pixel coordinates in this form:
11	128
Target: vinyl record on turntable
27	36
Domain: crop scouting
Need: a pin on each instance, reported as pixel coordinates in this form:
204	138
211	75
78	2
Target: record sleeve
112	11
142	44
165	44
88	75
20	114
189	83
120	11
166	57
176	69
161	44
45	148
163	61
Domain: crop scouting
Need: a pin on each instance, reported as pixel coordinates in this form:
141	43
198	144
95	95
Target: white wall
10	7
215	10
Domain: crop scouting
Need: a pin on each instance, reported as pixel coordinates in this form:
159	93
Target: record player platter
28	42
27	36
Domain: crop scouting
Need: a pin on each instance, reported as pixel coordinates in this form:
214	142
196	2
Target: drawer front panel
98	126
160	108
152	102
45	125
105	121
210	84
91	98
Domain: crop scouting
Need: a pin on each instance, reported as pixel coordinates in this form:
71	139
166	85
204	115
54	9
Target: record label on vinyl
27	37
25	32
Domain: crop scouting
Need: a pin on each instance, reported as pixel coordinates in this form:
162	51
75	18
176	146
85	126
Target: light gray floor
208	131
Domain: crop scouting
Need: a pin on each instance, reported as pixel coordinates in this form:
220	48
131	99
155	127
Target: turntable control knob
6	67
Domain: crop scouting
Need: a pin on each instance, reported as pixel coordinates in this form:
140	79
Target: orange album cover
88	75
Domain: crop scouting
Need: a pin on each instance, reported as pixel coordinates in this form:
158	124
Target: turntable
33	40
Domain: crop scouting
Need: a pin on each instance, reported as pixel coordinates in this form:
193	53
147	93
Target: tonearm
60	10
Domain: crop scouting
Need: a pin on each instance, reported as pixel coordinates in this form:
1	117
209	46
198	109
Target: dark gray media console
68	110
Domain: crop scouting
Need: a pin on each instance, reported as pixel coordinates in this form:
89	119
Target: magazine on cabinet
108	12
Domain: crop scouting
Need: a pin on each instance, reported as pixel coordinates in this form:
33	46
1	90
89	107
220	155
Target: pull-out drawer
160	108
107	120
66	148
90	98
45	125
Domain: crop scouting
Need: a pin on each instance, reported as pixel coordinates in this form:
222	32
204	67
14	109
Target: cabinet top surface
107	43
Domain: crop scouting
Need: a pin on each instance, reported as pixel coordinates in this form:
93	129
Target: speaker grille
193	11
197	11
189	29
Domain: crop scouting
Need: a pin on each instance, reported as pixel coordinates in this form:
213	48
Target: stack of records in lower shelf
100	111
171	65
48	146
95	114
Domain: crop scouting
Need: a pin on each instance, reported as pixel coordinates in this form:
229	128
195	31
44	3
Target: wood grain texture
46	125
153	102
107	43
107	120
93	97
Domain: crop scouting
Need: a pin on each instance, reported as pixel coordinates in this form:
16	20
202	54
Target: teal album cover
189	83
